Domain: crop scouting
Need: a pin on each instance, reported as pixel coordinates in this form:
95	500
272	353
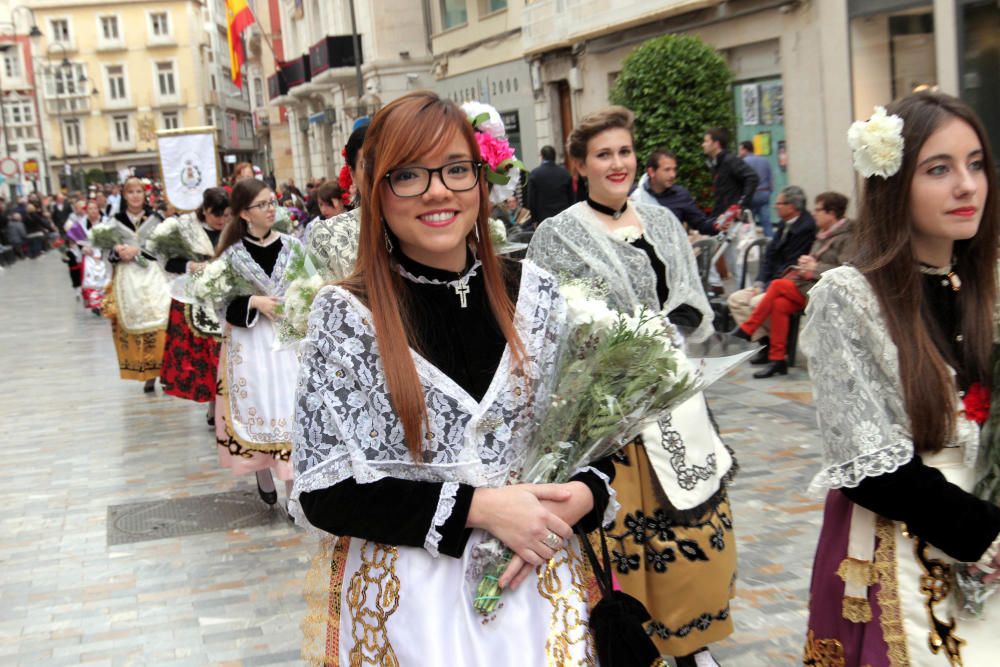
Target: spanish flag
238	18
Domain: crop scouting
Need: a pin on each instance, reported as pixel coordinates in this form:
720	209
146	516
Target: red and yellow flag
238	18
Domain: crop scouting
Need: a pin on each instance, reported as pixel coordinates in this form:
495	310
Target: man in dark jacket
550	188
793	237
733	180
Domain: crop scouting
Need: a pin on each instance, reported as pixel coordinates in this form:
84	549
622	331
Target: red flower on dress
494	151
977	403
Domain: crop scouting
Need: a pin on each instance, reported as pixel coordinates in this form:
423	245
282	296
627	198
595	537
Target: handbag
616	622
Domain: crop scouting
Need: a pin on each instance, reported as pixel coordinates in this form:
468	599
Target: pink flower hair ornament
503	168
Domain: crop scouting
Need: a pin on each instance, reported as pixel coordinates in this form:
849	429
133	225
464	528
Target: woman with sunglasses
415	404
258	381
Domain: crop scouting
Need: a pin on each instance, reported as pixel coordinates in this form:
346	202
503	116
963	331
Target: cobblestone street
81	444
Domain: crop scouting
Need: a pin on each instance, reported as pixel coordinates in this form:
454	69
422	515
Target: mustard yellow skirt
140	356
682	569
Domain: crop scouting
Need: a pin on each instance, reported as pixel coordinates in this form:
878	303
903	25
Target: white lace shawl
575	245
345	425
335	242
854	368
240	259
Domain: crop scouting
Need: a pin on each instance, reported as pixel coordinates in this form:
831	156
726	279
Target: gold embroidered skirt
140	356
682	570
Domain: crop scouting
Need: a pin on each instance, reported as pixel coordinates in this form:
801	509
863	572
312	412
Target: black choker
257	239
607	210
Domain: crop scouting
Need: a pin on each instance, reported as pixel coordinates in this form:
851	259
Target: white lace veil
575	245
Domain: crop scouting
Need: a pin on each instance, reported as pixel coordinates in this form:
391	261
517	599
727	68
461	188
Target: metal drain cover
158	519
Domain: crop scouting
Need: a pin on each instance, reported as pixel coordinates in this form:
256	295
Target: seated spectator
510	212
794	235
658	186
787	295
16	234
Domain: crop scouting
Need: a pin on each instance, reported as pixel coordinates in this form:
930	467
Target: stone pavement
79	440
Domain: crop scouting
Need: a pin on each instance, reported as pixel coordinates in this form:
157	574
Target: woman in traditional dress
258	381
334	241
191	355
672	541
139	299
899	352
415	405
96	269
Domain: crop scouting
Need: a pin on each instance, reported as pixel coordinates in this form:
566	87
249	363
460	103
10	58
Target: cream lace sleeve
853	365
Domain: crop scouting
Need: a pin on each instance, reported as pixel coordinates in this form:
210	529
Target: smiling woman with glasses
256	432
415	403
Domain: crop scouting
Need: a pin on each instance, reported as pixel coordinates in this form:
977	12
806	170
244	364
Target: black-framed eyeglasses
458	176
264	205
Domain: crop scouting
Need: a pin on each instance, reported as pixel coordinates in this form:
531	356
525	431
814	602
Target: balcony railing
277	85
297	71
549	24
67	106
332	52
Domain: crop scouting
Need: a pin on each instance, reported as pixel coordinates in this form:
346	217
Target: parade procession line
99	472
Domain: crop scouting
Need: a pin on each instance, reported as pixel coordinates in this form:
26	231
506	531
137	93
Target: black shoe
150	386
210	420
738	332
776	368
269	497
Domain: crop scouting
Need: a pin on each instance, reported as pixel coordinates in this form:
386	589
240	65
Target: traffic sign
9	166
31	169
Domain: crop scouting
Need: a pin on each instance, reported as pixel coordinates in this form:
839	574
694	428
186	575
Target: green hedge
677	86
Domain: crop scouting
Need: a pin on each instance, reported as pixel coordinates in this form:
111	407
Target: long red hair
401	133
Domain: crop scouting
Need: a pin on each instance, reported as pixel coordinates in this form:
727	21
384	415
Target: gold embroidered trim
856	610
823	652
323	590
283	447
891	618
935	585
568	627
857	572
372	597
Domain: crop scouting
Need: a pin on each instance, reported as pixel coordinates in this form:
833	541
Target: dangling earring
476	228
388	241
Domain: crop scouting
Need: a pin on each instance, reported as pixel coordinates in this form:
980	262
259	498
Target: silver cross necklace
460	284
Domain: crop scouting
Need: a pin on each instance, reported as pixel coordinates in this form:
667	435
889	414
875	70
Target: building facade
322	88
227	106
23	160
478	56
803	71
111	74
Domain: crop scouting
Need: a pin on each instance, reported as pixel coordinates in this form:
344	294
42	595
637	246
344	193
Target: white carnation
877	144
501	193
493	126
626	234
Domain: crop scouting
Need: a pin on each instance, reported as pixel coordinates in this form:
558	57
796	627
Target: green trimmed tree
678	86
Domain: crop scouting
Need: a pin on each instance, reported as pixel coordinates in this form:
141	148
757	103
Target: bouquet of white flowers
106	235
179	237
614	371
304	281
215	284
284	221
498	233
